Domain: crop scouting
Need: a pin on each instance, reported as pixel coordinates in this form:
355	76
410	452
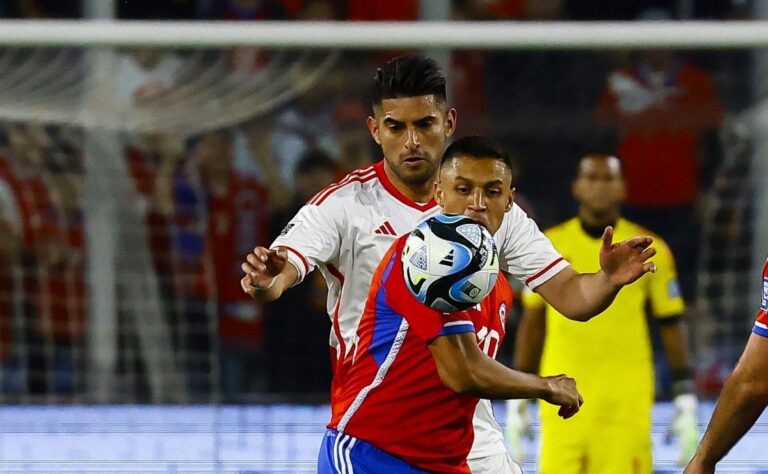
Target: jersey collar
390	187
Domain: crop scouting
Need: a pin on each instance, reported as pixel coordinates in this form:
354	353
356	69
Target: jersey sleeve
313	236
761	322
425	321
664	288
525	252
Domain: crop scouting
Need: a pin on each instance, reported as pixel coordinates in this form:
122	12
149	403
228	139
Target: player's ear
623	192
450	122
373	127
511	201
438	192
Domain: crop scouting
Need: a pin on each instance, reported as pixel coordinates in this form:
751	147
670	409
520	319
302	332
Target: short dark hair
477	146
408	76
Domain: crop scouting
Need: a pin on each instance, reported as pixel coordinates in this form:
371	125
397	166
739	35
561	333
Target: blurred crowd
208	198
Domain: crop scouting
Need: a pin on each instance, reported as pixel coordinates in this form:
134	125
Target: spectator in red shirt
661	106
217	210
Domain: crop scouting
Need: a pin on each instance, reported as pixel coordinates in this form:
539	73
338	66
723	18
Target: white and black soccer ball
450	263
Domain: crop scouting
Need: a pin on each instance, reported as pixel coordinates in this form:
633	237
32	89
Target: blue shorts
344	454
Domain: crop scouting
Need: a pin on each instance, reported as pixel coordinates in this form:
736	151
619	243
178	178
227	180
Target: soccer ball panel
450	263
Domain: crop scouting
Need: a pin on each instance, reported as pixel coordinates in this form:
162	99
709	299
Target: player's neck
419	194
597	221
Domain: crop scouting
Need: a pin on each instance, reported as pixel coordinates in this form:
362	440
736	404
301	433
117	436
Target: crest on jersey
764	304
289	228
503	313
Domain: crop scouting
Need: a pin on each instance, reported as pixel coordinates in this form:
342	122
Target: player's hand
563	393
684	427
626	261
518	427
261	267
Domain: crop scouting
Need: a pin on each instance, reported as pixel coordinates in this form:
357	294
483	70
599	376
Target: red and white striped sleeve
525	252
313	236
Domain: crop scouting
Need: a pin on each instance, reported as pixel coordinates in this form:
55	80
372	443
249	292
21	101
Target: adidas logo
448	259
385	229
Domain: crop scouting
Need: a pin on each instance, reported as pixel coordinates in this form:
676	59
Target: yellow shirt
609	356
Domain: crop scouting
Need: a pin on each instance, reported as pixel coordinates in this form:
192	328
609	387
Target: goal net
137	173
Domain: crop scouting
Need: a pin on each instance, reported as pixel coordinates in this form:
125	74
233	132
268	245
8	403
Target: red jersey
390	394
211	232
761	323
660	128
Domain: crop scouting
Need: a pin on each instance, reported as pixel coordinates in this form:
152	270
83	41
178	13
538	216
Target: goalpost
69	73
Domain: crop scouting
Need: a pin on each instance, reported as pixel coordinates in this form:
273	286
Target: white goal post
378	35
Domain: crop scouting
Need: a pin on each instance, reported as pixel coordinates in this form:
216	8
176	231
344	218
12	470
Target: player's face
412	132
599	186
479	188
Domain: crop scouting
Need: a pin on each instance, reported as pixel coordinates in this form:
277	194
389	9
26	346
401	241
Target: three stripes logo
448	259
385	229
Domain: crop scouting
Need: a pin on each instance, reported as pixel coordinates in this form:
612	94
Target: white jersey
346	229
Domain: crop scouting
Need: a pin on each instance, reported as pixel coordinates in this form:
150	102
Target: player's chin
419	174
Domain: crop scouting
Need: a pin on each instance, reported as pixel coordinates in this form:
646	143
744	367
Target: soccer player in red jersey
744	396
411	384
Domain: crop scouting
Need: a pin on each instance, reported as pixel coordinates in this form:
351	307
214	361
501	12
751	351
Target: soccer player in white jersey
345	230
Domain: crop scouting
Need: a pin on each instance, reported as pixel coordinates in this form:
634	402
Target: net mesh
133	181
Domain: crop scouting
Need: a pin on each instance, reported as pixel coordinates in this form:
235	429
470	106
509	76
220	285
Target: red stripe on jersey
361	173
545	270
384	179
337	183
355	180
389	228
303	259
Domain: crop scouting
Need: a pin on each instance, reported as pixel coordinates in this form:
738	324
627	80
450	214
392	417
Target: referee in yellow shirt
610	355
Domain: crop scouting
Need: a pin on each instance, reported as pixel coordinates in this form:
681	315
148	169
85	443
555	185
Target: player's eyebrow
425	120
420	121
494	182
391	121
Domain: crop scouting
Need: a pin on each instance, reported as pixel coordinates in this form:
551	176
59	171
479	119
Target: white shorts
494	464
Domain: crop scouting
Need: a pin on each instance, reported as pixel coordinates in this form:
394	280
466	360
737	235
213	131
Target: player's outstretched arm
464	368
267	274
580	296
743	399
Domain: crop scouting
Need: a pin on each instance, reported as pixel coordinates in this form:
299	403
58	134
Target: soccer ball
450	263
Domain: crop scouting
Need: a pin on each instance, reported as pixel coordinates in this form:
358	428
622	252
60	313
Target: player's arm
465	369
743	399
529	341
312	237
580	296
675	343
268	273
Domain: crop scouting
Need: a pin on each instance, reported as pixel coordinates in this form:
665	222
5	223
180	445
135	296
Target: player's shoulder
565	229
361	180
515	222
